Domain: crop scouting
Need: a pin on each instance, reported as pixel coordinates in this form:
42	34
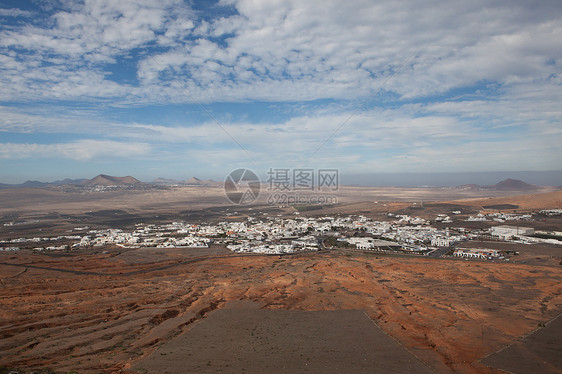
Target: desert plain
120	310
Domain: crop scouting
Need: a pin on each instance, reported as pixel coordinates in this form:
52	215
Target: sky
174	89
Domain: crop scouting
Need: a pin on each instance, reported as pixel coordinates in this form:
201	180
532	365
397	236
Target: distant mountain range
100	180
108	180
505	185
193	181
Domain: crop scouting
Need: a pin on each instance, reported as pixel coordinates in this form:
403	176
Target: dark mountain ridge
505	185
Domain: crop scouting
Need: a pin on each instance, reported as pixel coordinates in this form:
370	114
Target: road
440	252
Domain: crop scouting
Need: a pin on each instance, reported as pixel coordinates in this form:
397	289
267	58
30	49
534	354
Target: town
401	233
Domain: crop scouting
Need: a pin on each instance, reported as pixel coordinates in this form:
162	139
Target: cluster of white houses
499	217
150	236
481	253
42	239
276	235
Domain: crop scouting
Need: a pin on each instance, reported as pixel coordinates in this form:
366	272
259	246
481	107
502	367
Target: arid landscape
106	312
113	309
256	186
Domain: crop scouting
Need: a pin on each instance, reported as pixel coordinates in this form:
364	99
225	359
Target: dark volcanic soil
540	352
283	341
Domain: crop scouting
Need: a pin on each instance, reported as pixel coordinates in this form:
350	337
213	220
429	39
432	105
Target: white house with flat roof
507	232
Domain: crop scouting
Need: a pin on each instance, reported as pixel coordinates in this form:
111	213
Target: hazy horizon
539	178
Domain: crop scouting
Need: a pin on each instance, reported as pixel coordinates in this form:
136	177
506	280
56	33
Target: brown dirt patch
283	341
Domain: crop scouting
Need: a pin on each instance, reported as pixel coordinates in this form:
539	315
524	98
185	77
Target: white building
362	243
440	241
507	232
476	253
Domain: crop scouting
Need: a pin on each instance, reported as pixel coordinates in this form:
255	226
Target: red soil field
106	312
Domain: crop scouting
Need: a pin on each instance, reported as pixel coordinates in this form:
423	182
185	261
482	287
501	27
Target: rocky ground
107	311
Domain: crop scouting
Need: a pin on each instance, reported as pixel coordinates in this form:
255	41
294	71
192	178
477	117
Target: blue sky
171	88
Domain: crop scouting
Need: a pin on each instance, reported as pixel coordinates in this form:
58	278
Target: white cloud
97	27
533	105
370	141
294	50
56	119
81	150
14	12
67	60
393	139
497	155
371	135
283	50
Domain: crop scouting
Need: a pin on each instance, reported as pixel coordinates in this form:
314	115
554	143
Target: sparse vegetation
547	236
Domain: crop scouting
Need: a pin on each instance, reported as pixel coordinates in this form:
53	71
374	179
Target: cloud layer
269	50
82	150
368	85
